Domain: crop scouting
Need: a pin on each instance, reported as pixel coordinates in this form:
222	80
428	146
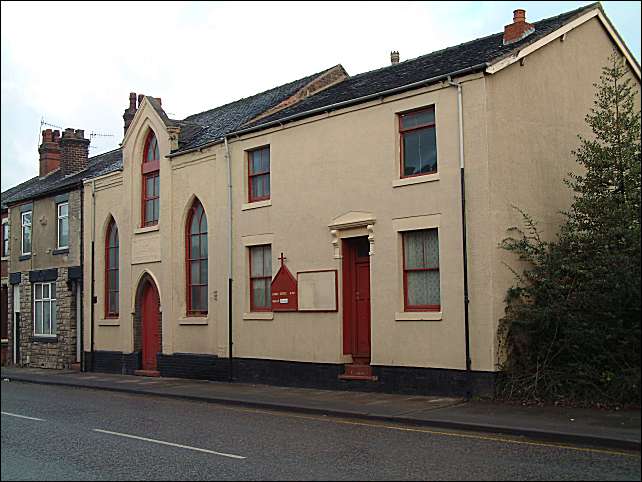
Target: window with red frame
151	181
111	271
260	278
418	142
258	164
421	270
196	260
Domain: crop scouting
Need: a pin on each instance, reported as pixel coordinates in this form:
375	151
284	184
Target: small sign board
284	289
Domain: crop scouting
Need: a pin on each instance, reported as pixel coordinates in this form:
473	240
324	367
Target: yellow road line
432	432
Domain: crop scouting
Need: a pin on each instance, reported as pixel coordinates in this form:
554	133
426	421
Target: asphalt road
80	434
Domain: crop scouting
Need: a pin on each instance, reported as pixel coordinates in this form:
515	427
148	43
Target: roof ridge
255	95
485	37
103	153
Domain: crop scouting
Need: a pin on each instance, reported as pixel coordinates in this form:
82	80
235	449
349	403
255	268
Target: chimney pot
519	15
394	57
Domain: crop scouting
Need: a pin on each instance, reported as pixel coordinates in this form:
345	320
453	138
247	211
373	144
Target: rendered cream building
357	181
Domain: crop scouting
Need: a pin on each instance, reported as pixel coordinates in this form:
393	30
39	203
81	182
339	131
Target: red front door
151	339
356	298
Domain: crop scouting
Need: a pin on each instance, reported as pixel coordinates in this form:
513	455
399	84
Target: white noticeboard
317	290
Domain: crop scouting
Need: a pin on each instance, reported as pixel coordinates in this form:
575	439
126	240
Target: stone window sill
419	316
4	258
60	251
193	320
259	315
147	229
415	180
24	257
44	339
256	204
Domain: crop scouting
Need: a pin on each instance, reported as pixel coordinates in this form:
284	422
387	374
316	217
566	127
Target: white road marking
169	443
22	416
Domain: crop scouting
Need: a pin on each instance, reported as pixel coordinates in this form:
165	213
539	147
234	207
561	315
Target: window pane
38	291
203	272
195	246
113	280
195	273
46	317
423	288
203	245
54	317
413	250
267	261
259	293
156	185
26	239
63	232
149	211
63	209
113	302
419	152
258	187
411	153
26	219
256	255
201	297
155	206
194	226
45	291
149	186
38	317
428	146
431	248
113	258
204	223
414	119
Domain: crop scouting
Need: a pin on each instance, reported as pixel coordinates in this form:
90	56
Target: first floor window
63	225
196	244
260	278
258	165
44	309
151	197
421	270
418	142
111	271
26	232
5	240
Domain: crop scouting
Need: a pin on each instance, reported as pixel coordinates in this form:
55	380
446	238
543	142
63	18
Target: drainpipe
229	260
93	261
463	232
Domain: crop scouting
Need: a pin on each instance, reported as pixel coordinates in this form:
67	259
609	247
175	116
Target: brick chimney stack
519	29
394	57
130	112
74	151
49	152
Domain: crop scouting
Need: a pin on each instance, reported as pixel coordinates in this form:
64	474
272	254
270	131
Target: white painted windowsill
147	229
257	204
259	315
109	322
419	316
406	181
193	320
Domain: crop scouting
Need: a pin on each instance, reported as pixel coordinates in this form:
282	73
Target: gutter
463	232
338	105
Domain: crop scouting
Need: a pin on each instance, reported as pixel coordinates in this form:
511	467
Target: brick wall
74	151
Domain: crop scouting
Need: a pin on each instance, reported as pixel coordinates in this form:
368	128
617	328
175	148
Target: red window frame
189	258
253	307
403	131
406	270
250	175
150	169
111	250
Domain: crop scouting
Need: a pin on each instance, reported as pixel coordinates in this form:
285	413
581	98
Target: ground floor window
44	309
421	270
260	278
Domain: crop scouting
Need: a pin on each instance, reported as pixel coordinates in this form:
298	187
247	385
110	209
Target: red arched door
150	303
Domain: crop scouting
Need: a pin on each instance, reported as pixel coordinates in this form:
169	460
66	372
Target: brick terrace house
341	231
45	253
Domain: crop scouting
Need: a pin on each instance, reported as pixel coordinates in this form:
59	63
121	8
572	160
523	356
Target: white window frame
22	232
5	225
59	218
51	302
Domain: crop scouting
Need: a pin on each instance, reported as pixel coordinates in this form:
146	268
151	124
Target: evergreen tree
572	325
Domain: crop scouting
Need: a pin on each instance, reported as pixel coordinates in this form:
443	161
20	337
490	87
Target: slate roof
214	124
56	182
441	62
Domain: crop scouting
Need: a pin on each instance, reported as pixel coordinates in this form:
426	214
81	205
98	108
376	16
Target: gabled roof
204	127
55	182
476	54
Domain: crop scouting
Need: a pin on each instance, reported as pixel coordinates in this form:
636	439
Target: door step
147	373
356	371
75	367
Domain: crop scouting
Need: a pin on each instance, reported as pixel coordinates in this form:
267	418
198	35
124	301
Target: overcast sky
74	64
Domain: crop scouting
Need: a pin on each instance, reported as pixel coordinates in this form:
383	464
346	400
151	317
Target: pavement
590	427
